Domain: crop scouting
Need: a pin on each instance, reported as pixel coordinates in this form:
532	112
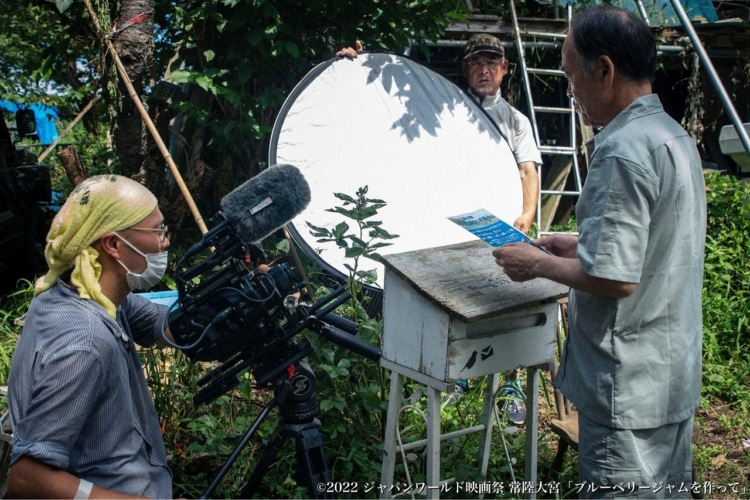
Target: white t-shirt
515	126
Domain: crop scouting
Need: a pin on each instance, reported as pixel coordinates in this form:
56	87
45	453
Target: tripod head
295	394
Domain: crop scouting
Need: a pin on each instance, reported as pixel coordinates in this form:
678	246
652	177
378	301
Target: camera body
230	314
235	310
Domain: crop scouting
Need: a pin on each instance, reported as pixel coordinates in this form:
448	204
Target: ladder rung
558	150
548	109
547	233
543	71
560	193
542	34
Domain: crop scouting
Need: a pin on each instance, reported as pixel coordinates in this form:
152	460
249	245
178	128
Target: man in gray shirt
632	361
83	420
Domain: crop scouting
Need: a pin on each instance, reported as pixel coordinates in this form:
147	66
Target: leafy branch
363	241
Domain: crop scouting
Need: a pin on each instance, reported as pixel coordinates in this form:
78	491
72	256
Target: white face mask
156	266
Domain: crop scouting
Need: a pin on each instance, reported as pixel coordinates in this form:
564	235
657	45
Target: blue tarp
167	298
661	12
45	119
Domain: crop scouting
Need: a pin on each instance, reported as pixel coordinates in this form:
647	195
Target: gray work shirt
635	362
78	397
515	127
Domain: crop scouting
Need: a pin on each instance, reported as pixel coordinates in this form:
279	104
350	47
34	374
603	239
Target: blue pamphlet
489	228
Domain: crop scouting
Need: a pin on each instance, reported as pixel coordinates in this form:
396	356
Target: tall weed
12	308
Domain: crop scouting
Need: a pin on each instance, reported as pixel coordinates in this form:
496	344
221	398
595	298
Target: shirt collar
68	290
487	99
644	105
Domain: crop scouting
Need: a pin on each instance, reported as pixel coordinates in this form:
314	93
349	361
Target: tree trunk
138	151
72	165
135	46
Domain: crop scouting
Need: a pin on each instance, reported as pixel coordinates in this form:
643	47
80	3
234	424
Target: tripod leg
297	405
312	468
267	459
311	461
249	434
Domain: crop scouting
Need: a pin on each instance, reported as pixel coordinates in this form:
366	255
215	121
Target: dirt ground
723	461
721	451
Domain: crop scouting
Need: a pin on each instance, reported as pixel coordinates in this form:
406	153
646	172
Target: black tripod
294	394
296	398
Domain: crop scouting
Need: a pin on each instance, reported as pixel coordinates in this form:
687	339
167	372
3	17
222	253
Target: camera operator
83	419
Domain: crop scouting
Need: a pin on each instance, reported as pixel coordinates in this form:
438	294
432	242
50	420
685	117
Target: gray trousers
640	463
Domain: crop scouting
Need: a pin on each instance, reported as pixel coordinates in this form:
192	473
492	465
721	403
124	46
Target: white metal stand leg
434	435
435	389
488	420
390	445
433	442
532	431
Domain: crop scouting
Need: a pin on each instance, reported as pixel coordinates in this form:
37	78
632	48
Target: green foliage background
225	67
726	295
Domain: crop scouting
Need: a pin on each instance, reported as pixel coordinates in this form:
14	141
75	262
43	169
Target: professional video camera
246	318
230	313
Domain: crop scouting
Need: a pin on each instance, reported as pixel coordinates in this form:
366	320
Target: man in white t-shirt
484	65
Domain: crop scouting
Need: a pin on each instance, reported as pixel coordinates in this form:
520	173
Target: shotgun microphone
257	208
263	204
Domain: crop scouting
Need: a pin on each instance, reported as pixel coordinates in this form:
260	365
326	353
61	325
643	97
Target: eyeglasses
490	63
163	229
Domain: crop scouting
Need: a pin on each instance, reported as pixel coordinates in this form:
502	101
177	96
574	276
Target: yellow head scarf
98	205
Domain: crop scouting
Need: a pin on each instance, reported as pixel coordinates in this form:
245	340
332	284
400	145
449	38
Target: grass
12	307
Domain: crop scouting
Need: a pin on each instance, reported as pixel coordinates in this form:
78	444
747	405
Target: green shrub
726	291
12	307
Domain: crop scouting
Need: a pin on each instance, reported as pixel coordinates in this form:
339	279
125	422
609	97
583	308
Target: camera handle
295	396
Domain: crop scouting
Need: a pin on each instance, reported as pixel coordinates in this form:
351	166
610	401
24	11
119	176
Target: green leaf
292	48
63	5
340	230
353	252
344	197
283	246
358	242
181	76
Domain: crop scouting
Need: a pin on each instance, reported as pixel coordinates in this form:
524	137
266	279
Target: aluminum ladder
552	185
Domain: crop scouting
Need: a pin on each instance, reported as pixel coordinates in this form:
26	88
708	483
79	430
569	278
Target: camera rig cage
243	319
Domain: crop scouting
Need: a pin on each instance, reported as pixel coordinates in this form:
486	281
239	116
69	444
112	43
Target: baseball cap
483	43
